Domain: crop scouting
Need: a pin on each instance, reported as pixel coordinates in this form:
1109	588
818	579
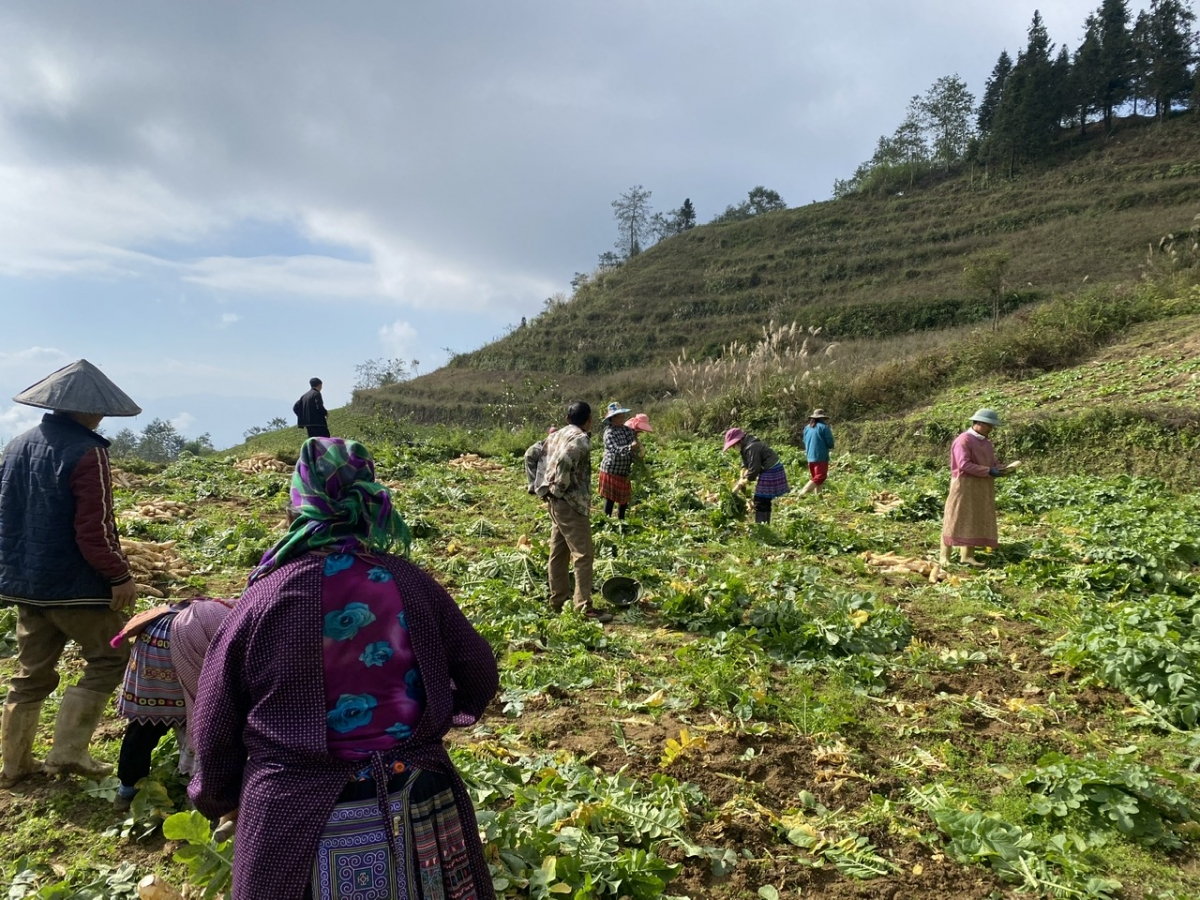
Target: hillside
863	267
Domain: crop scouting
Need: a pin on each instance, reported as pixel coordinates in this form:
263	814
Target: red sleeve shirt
95	526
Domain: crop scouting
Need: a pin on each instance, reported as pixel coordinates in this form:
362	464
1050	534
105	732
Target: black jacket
42	551
310	410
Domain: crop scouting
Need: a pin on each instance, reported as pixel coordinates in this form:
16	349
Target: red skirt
616	488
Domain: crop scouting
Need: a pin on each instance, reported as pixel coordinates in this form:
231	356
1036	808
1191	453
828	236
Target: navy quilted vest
39	559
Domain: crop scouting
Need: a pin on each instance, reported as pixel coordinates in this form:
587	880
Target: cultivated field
777	716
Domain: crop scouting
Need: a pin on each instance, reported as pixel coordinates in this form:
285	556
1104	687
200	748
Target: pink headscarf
191	633
640	422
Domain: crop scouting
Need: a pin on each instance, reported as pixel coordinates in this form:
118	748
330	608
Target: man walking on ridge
565	483
310	411
61	564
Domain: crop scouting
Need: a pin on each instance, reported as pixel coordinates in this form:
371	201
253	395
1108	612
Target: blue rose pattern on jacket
337	562
373	701
343	624
352	711
377	654
414	686
400	731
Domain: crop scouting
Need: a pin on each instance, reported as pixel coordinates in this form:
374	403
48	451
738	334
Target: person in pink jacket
970	519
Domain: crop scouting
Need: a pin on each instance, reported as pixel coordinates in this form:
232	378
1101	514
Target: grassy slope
832	747
866	266
1132	409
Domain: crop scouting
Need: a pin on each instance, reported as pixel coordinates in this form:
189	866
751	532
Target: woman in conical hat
61	564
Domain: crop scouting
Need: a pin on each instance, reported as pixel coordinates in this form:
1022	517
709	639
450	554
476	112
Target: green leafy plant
1060	866
209	864
1142	803
569	829
1148	648
31	881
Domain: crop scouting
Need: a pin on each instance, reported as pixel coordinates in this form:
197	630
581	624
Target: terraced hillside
865	267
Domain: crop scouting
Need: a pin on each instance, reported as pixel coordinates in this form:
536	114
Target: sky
215	201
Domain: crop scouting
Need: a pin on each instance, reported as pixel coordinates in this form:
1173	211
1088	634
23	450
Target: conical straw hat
81	388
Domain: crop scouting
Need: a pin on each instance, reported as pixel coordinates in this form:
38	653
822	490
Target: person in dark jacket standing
761	465
310	411
61	564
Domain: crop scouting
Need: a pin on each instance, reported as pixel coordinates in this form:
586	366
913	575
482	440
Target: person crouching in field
640	422
761	465
161	680
818	441
620	448
970	519
535	454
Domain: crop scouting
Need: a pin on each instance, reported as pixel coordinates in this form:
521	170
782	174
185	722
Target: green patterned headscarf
340	505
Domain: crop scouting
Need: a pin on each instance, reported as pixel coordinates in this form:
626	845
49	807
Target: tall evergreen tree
1086	74
1066	99
1031	106
1139	86
1170	49
992	93
685	216
1115	64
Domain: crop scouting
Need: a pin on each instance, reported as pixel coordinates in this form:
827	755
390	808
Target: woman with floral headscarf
325	698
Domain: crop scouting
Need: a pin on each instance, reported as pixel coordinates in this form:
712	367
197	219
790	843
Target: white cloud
32	356
16	419
398	339
86	220
228	319
285	276
183	422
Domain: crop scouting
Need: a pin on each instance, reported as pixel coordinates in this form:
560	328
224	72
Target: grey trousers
42	634
570	536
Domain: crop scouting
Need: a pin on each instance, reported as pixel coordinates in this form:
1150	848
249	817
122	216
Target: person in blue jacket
818	441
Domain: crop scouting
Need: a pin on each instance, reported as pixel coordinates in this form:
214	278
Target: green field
775	717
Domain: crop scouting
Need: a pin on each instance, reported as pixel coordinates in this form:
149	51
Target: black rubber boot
762	510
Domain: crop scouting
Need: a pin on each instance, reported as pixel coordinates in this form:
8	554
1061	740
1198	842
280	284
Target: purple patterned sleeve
474	675
216	729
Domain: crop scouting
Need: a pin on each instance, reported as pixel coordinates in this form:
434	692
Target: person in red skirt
620	447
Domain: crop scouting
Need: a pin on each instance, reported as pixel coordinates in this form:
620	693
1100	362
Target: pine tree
1031	105
1066	100
1086	73
993	91
1139	87
1169	48
685	216
1114	74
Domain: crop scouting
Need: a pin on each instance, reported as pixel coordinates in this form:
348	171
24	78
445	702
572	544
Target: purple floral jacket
261	727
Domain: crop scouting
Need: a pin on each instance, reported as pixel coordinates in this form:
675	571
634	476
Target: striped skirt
353	859
151	692
772	483
617	488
